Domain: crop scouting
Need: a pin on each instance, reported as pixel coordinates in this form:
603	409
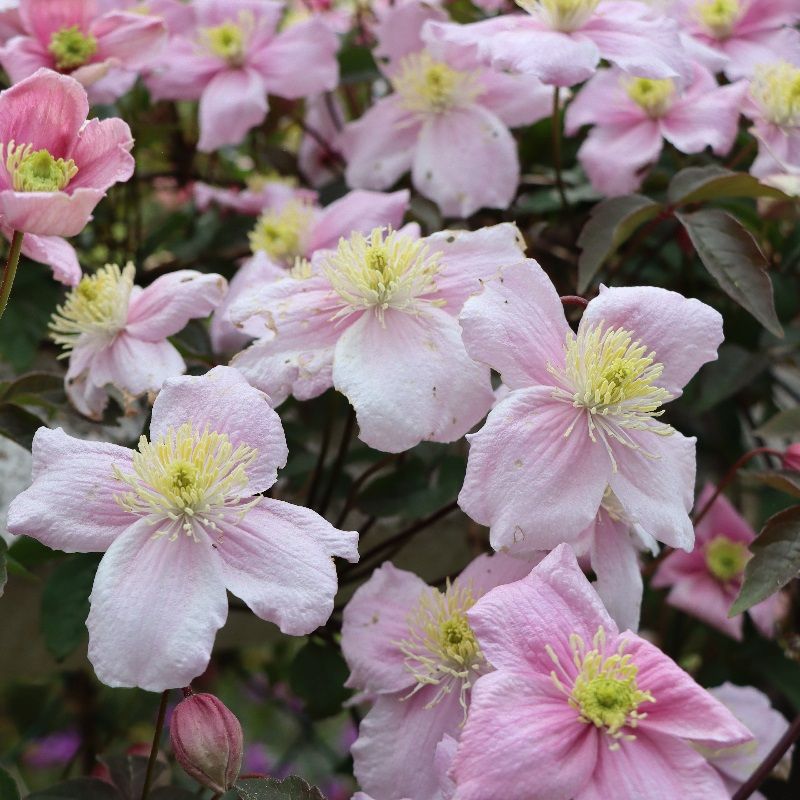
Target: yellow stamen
654	96
718	17
37	170
71	47
428	86
776	88
280	234
725	558
229	40
563	15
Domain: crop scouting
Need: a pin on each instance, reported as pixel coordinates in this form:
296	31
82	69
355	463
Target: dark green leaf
610	224
128	774
775	561
730	373
32	383
734	259
782	480
65	603
389	495
785	423
18	424
8	786
696	184
78	789
317	675
172	793
293	788
356	64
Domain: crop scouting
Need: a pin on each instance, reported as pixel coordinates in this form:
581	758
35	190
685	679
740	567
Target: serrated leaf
697	184
782	480
785	423
317	676
78	789
610	224
18	424
8	786
65	603
292	788
775	561
733	258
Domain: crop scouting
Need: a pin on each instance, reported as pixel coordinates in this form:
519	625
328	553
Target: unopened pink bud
791	458
207	741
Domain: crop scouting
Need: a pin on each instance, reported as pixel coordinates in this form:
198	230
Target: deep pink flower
705	582
447	121
410	647
54	251
633	116
116	333
791	458
576	710
180	521
377	320
235	58
562	43
86	41
56	166
582	419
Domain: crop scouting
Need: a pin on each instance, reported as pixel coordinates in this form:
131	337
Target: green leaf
610	224
128	773
65	603
389	495
785	423
8	786
735	369
78	789
775	561
782	480
732	256
292	788
3	572
18	424
317	675
172	793
32	383
696	184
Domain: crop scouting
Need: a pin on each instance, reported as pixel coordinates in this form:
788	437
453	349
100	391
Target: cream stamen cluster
37	170
280	234
563	15
654	96
776	88
427	86
718	17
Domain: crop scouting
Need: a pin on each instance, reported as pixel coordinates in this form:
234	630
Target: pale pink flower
10	22
181	520
235	58
56	165
705	582
562	43
447	121
115	333
260	193
293	226
377	319
54	251
101	49
318	156
736	35
410	647
577	711
582	419
753	709
633	116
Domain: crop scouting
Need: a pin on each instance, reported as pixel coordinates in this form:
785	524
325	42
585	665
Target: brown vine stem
151	763
574	300
352	495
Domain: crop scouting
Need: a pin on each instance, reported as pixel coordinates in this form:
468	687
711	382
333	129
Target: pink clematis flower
579	431
591	713
446	121
262	192
377	320
561	42
181	520
737	35
116	333
410	647
705	582
101	49
234	58
633	116
295	227
57	166
753	709
318	156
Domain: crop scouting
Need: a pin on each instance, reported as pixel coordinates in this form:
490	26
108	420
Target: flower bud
791	458
207	741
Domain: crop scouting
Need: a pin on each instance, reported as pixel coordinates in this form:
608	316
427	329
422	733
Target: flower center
563	15
37	170
654	96
604	693
719	17
189	479
280	234
441	648
380	272
427	86
228	40
776	88
97	305
725	558
71	47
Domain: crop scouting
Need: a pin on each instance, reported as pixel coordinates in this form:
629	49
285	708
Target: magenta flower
234	58
58	166
633	116
115	333
737	35
446	121
180	520
582	419
410	647
561	42
591	713
99	48
705	582
377	320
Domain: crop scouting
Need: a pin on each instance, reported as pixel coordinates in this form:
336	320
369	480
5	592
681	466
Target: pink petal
88	399
224	401
521	460
70	505
410	379
515	99
746	52
267	13
721	519
398	31
49	213
184	73
277	559
132	40
316	162
156	607
767	614
702	596
22	56
57	253
102	154
113	85
486	572
603	101
42	18
517	325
